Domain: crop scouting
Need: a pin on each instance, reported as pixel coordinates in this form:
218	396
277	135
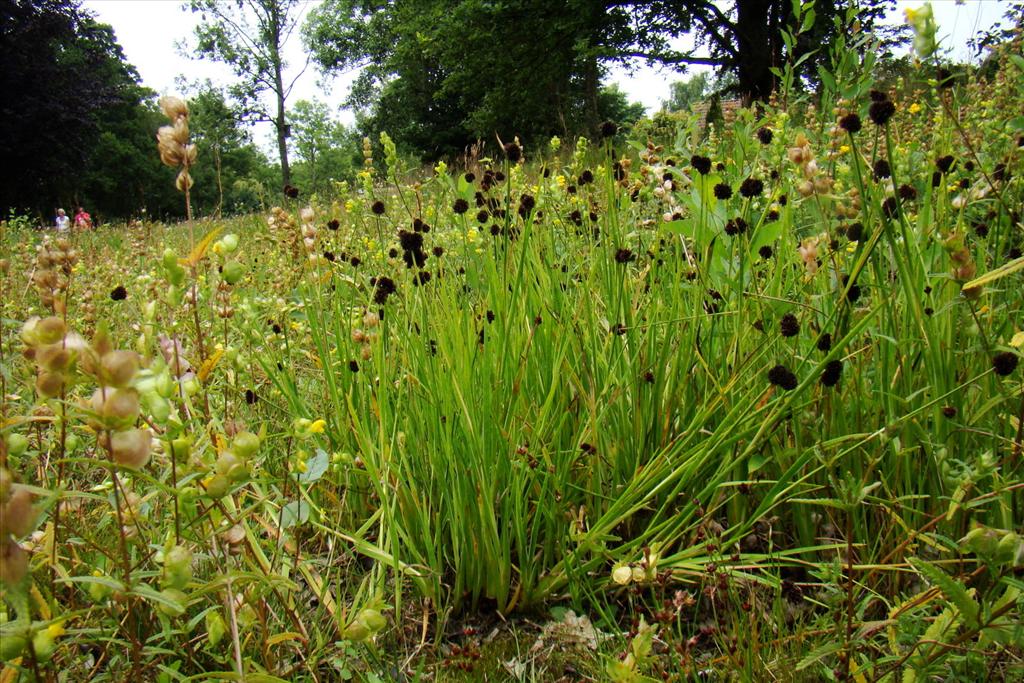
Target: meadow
731	403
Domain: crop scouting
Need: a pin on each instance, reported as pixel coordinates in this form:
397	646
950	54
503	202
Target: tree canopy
438	74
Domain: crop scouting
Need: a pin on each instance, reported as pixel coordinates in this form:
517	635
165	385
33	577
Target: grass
778	430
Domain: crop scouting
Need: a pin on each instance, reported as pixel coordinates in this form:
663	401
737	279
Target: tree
215	128
249	36
65	82
685	94
440	74
328	151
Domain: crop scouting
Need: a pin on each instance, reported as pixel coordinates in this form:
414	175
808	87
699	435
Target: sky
151	30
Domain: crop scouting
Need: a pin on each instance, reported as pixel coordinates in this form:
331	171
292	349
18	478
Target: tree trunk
591	85
756	56
282	128
220	182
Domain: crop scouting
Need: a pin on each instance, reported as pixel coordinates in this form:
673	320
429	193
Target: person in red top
83	221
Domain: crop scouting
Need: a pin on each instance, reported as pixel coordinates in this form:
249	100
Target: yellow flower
914	108
843	149
317	427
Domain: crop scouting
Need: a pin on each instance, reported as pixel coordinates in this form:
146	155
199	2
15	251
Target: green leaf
315	467
955	591
295	512
1008	268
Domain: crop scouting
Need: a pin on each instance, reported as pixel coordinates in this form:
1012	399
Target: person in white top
63	222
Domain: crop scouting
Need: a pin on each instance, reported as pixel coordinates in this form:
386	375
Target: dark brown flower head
333	224
701	164
890	207
853	294
764	135
353	366
833	372
789	326
291	192
460	206
438	251
119	293
850	123
410	241
618	172
735	226
355	261
882	169
855	232
585	178
1004	363
383	288
723	191
881	112
825	342
878	96
392	252
499	176
527	202
514	153
609	129
783	377
765	252
907	192
751	187
378	207
624	256
250	396
470	176
329	255
949	411
482	216
944	164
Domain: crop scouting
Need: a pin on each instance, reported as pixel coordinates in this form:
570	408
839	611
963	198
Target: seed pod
121	408
48	384
19	515
53	358
13	564
118	368
131	448
50	330
246	444
217	486
173	107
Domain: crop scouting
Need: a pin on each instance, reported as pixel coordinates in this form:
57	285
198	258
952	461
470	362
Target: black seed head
353	366
378	208
765	252
514	153
624	256
723	191
701	164
764	135
882	169
789	326
833	371
881	112
609	129
119	293
944	164
850	123
460	206
783	378
333	224
751	187
825	342
1004	363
